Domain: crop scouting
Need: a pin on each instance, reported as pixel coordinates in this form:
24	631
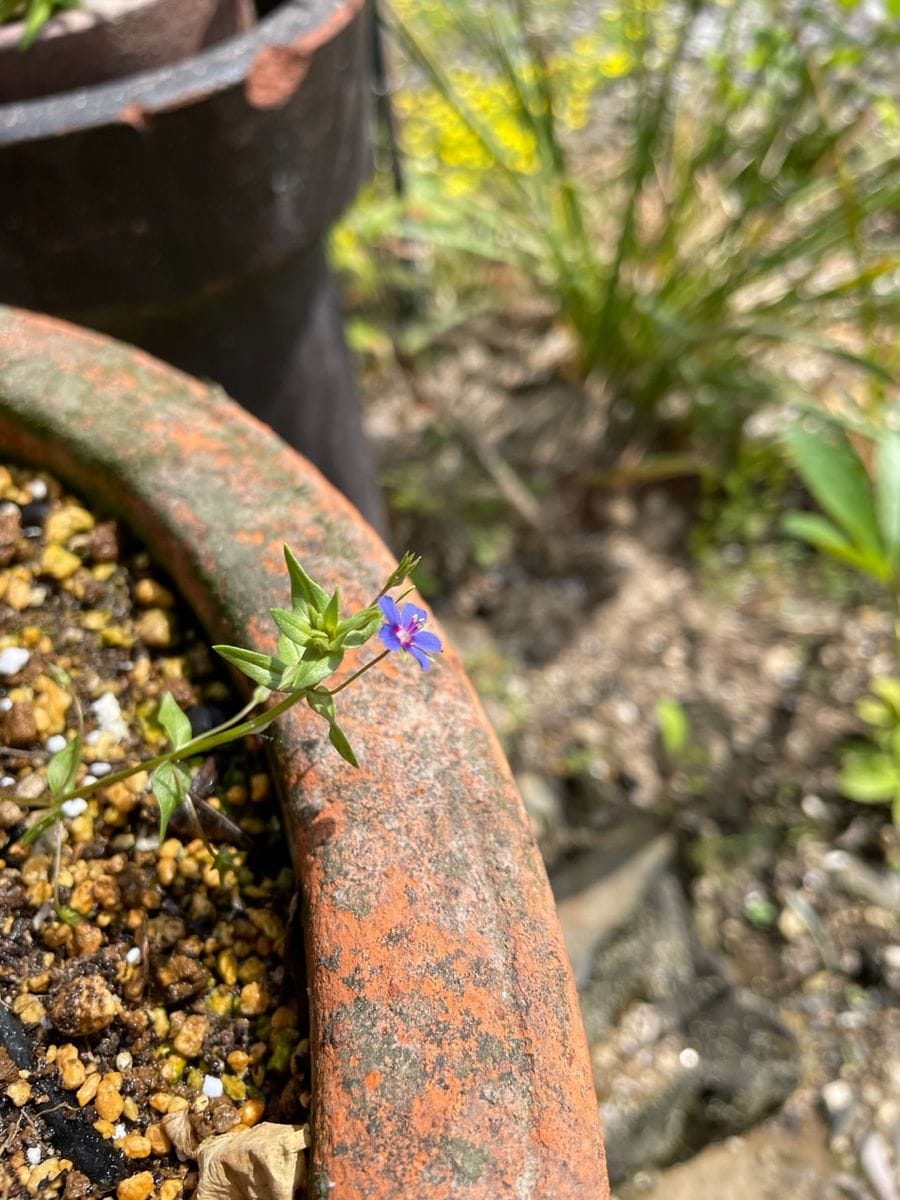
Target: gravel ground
577	608
164	990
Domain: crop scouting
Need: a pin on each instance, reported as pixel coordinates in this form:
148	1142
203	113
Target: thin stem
361	671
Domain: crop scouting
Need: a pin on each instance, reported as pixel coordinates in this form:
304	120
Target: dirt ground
579	600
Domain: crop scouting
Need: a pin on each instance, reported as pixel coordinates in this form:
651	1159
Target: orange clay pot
448	1052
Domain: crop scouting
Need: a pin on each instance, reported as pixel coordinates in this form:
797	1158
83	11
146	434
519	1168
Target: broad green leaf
170	785
818	532
174	721
288	651
304	590
308	673
887	492
834	475
261	668
63	767
674	726
869	777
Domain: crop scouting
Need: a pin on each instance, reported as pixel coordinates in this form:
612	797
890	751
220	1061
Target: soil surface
732	919
148	1002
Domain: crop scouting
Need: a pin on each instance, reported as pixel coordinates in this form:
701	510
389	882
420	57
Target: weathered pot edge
450	1060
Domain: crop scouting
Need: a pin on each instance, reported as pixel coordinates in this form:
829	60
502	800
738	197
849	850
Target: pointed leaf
834	475
339	740
887	492
170	785
332	613
818	532
323	704
402	571
261	668
292	625
174	721
63	767
303	588
308	673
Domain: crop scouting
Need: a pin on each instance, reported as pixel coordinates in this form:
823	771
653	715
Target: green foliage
311	647
870	771
741	203
864	525
171	783
35	14
63	767
674	727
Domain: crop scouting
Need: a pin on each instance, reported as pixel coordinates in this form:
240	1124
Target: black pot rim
291	24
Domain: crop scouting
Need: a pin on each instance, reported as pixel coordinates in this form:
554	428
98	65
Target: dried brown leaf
263	1163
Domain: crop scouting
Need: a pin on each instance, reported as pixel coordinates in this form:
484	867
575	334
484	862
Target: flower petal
412	613
390	639
421	658
390	610
423	640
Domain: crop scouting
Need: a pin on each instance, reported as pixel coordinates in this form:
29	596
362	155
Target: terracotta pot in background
185	208
448	1053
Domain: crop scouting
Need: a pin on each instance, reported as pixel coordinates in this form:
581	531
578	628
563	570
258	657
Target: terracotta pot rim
292	32
449	1059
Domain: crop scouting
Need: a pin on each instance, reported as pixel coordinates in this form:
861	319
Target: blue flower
404	631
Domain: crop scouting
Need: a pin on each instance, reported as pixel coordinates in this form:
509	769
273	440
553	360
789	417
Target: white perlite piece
13	659
109	716
74	808
212	1087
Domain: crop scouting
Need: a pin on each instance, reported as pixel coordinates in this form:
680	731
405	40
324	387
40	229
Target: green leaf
674	726
869	776
332	613
63	767
261	668
174	721
874	713
308	673
34	831
304	590
170	784
338	739
818	532
296	627
887	492
887	688
834	475
323	704
355	631
288	651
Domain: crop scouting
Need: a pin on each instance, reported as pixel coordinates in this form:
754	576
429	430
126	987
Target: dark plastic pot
449	1058
185	208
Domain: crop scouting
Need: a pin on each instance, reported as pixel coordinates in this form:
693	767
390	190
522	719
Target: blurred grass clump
706	193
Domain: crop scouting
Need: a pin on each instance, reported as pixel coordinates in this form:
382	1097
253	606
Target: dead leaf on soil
263	1163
